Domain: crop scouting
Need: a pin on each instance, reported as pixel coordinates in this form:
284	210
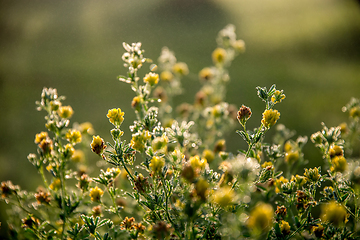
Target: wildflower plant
174	179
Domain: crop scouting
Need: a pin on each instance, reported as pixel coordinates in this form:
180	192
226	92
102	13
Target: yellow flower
299	180
56	184
66	112
270	117
208	155
355	112
223	196
113	172
201	188
219	56
239	45
291	157
69	150
266	164
339	164
312	174
139	139
318	230
279	182
284	227
116	116
151	78
78	156
261	218
334	213
40	136
135	103
97	145
180	68
156	164
335	150
86	127
166	76
160	143
278	96
73	136
196	163
206	74
95	194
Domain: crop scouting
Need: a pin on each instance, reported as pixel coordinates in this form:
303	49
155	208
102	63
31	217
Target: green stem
41	170
252	142
63	194
28	211
166	205
114	202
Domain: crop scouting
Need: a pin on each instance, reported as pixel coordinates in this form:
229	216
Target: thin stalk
166	205
63	193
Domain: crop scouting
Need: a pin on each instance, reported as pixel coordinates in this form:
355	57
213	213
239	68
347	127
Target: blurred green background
309	48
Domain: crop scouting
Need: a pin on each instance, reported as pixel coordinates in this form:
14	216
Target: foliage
174	178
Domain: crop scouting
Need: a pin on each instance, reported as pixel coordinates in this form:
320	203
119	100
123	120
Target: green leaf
262	93
244	135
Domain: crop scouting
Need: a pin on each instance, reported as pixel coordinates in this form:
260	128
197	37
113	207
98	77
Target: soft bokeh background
309	48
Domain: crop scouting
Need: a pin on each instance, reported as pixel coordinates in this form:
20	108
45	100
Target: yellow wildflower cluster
166	76
156	164
78	156
73	136
261	218
139	140
180	68
279	182
40	136
219	56
334	213
160	143
270	117
291	152
201	188
206	74
65	112
116	116
56	184
338	161
208	155
95	194
278	96
223	196
151	78
312	174
69	150
196	163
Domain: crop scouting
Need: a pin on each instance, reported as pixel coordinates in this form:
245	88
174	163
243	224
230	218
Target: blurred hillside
309	48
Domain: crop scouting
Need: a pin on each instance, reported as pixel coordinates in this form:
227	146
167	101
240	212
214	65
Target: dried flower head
98	145
243	114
